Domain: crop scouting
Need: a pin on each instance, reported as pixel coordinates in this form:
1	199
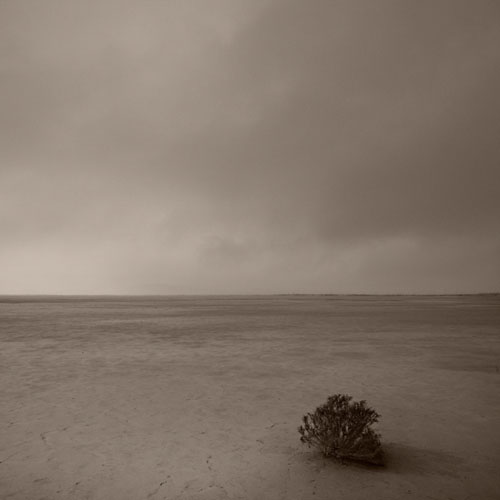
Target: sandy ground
123	411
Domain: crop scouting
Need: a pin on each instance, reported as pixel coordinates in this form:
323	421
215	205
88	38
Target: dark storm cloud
250	146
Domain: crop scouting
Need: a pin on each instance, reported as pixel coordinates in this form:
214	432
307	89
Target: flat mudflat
200	397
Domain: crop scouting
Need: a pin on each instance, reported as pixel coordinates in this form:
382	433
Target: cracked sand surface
201	398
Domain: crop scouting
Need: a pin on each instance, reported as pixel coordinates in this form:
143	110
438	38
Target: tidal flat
186	397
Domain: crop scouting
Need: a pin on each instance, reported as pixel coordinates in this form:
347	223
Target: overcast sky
249	146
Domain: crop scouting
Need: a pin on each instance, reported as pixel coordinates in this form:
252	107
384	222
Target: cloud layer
249	147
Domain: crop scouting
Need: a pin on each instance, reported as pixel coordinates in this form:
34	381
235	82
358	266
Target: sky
263	146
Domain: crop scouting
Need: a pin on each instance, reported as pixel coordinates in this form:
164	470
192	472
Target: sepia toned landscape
137	398
218	217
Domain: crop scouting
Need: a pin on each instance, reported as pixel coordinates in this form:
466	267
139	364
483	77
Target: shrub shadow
408	459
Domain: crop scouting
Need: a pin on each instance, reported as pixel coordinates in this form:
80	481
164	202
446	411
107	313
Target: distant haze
249	146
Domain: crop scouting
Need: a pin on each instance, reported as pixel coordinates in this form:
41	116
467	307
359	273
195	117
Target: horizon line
357	294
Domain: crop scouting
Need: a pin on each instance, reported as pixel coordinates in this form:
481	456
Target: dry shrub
341	429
